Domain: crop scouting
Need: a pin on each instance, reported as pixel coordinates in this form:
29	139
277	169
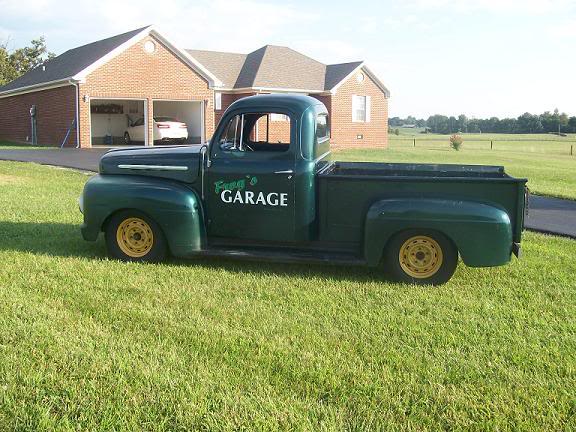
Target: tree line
14	63
547	122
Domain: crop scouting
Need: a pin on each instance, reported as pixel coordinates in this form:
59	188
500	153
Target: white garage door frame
202	113
146	138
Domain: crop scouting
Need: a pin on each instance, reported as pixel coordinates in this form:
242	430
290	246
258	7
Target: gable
136	71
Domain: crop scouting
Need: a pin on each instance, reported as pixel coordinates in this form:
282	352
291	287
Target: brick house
90	94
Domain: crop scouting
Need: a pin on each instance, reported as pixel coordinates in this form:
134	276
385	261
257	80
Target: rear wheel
421	257
127	139
133	236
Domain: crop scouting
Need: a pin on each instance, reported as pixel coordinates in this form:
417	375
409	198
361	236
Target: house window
218	100
361	109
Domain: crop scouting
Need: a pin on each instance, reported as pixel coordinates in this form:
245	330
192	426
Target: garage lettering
272	199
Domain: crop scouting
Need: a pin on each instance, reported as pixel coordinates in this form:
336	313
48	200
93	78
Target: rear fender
481	232
174	207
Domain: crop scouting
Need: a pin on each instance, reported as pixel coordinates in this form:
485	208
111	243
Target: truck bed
348	189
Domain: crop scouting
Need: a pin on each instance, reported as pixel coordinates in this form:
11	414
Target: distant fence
566	147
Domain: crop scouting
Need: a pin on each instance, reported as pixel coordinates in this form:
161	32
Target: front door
249	186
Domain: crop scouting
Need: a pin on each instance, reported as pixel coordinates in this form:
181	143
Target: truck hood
180	163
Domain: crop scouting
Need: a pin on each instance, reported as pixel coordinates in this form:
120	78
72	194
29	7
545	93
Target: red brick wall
344	130
56	108
137	74
227	100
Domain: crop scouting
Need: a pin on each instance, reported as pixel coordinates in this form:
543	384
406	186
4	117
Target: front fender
173	206
481	232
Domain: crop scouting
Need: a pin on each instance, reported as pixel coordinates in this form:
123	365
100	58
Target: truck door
249	185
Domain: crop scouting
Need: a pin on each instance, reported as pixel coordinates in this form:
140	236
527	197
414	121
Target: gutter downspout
75	84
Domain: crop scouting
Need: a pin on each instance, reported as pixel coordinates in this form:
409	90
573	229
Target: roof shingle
273	67
71	62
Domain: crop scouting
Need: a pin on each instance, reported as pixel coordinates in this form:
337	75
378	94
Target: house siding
344	130
55	108
136	74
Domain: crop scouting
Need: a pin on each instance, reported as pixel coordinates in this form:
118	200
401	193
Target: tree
438	124
572	124
462	123
563	121
529	123
18	62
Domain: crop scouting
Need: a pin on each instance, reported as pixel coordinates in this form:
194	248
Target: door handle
284	172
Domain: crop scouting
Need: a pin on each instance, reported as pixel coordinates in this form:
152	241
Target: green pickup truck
265	188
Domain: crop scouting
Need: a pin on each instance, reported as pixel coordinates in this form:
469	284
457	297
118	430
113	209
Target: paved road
552	215
85	159
548	215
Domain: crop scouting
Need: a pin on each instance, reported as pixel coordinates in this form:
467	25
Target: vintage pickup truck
265	188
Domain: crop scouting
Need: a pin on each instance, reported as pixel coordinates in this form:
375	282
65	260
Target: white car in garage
165	129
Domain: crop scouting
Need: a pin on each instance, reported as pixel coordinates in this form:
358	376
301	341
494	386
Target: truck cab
266	188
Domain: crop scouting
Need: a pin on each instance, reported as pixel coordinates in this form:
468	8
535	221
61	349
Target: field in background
92	344
544	160
525	143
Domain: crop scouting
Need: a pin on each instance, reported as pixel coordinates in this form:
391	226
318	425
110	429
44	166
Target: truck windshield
255	132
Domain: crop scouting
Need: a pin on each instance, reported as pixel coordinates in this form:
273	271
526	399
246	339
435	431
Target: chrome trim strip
154	167
322	156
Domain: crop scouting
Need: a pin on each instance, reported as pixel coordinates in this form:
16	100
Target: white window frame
367	108
277	117
217	101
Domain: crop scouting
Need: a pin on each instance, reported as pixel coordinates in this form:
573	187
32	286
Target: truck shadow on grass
64	240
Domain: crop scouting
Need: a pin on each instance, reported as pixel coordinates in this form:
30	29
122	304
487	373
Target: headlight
81	203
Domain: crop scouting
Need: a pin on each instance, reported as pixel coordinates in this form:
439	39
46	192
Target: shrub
456	142
396	131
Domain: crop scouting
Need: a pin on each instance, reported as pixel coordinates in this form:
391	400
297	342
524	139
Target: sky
478	57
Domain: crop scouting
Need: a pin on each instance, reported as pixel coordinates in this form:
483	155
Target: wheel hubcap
134	237
420	257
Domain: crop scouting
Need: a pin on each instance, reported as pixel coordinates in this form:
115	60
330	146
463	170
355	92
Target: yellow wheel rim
134	237
420	257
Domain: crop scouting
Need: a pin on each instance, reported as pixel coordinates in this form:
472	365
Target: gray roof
71	62
273	67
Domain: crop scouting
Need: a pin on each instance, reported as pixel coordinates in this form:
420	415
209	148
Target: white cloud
241	25
564	29
518	7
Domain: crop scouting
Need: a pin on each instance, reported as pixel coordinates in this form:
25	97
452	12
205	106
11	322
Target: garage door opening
178	122
115	122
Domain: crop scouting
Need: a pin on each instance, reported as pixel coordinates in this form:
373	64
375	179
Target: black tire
429	257
127	139
133	236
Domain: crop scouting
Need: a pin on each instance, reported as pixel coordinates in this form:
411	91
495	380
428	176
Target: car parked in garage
166	129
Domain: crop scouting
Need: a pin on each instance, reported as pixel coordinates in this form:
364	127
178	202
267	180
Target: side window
322	128
139	122
257	133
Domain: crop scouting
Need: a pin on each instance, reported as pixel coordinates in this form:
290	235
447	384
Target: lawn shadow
64	240
47	238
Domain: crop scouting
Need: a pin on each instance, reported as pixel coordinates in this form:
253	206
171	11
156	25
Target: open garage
112	119
188	112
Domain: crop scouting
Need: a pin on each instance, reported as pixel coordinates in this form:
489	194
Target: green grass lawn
548	173
92	344
5	145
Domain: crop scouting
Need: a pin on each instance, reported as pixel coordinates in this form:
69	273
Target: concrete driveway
547	215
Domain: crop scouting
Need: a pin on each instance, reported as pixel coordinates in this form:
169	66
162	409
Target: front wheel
133	236
421	257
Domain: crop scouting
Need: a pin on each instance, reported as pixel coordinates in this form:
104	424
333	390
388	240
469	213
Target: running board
286	256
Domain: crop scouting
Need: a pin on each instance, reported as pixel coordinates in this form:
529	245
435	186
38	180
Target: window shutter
218	100
368	106
354	106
